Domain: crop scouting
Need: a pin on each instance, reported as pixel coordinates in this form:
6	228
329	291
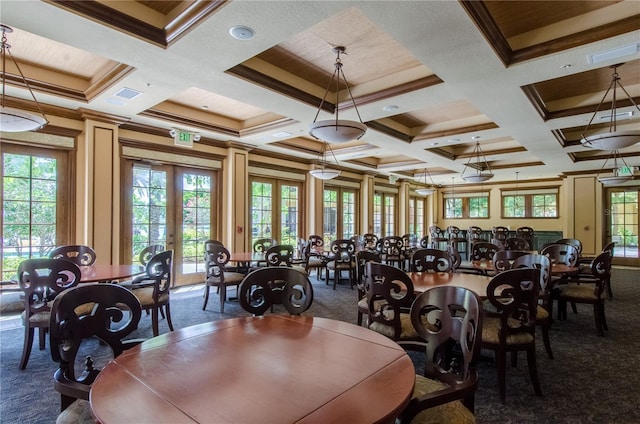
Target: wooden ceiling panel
519	17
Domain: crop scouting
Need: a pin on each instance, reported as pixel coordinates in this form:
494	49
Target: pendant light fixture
621	174
478	162
428	189
337	130
611	139
321	172
12	119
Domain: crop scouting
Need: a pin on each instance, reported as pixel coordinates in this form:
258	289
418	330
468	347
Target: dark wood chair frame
115	315
41	280
77	253
449	320
266	287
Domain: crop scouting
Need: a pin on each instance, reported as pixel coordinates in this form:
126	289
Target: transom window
339	213
466	205
537	203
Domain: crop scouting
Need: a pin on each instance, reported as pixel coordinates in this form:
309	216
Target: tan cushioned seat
449	413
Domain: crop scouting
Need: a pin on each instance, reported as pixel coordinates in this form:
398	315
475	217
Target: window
275	210
339	214
35	208
536	203
466	205
384	214
416	216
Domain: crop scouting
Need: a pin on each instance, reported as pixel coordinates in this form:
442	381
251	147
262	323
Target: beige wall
98	192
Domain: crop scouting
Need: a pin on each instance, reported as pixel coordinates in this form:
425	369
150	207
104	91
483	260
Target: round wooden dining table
270	369
108	273
423	281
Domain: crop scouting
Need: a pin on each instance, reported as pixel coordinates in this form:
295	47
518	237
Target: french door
275	210
36	212
621	226
173	206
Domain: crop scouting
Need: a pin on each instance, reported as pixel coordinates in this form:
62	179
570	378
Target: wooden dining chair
217	275
516	243
439	239
41	280
545	305
588	289
114	315
342	259
483	251
449	320
148	252
526	233
503	259
267	287
78	254
152	288
509	326
363	257
393	251
390	294
431	260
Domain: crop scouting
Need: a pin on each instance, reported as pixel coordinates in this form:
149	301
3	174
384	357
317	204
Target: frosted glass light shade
615	140
324	174
478	177
341	131
425	191
16	120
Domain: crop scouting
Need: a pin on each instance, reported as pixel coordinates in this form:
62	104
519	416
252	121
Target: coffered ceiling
429	77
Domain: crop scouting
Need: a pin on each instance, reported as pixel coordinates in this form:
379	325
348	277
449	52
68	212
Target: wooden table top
271	369
423	281
247	257
106	273
485	266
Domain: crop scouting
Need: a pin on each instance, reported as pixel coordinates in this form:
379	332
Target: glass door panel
622	227
195	220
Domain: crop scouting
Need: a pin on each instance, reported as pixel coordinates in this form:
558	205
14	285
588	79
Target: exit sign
183	138
625	170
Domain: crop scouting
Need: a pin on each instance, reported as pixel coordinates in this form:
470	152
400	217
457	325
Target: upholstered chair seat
79	412
407	331
448	413
491	333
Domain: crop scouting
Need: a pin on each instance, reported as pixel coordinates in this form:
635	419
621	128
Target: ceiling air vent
128	93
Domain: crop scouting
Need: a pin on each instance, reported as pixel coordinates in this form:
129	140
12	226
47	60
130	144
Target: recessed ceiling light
475	137
390	108
567	66
204	107
242	33
453	140
435	143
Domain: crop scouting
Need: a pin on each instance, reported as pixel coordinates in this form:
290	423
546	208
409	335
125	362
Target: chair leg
603	317
154	321
223	297
545	338
206	297
597	315
574	308
168	314
42	337
609	292
533	370
26	348
359	318
501	367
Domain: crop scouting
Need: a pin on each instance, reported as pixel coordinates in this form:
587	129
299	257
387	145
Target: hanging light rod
611	139
483	171
428	189
321	172
12	119
337	130
621	174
